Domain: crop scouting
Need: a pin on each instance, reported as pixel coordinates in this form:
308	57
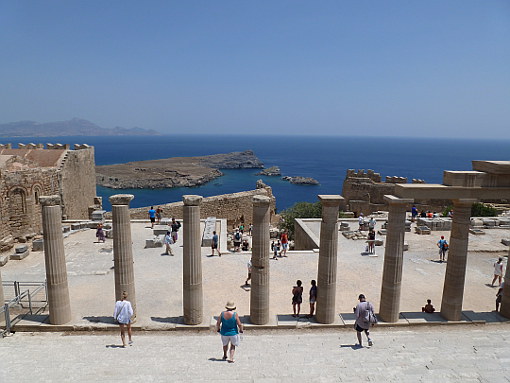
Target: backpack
445	246
369	315
237	236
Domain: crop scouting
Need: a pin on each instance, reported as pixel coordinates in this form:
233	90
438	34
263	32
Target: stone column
55	260
389	307
2	299
453	291
123	248
259	294
326	278
192	261
504	309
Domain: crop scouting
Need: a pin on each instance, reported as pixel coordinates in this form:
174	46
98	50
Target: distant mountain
74	127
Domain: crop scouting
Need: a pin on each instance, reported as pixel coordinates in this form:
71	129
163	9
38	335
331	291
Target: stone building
30	171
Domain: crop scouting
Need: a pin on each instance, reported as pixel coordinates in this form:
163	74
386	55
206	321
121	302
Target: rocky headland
173	172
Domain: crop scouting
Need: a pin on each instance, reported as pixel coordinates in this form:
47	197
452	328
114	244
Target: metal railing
28	297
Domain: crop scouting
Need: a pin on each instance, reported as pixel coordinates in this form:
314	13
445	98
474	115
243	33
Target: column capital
330	200
261	200
121	199
464	201
393	200
49	200
192	200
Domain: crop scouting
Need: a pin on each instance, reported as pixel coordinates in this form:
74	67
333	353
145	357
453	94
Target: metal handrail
18	301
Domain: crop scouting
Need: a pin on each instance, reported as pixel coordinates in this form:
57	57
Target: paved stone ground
159	277
440	354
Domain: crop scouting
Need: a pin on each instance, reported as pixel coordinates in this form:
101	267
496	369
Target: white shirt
498	268
123	312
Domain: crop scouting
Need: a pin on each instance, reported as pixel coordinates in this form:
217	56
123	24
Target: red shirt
284	238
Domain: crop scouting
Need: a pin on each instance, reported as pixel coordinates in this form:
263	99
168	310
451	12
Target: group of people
297	298
280	247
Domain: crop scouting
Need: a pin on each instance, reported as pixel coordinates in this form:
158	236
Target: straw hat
230	305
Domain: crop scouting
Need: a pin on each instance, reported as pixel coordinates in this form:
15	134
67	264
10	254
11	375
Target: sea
325	158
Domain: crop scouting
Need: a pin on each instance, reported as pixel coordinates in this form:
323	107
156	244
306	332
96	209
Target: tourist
414	213
229	326
241	228
250	228
371	241
313	297
284	239
168	241
498	271
152	216
361	222
443	247
297	298
435	215
430	214
237	240
423	214
122	315
428	308
371	223
175	226
159	212
362	312
245	245
499	296
100	233
274	249
215	244
249	266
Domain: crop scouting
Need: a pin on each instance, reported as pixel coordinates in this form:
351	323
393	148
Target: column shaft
259	294
389	307
505	299
123	248
326	276
192	261
55	261
2	299
455	277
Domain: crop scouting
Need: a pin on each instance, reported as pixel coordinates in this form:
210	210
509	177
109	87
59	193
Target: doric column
453	291
326	278
389	307
259	294
505	299
55	260
2	299
192	261
123	248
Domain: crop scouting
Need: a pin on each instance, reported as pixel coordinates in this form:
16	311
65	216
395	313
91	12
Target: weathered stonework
236	207
30	171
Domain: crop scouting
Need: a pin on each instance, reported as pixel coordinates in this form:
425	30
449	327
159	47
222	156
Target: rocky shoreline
173	172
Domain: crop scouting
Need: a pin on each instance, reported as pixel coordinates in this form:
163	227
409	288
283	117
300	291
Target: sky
358	68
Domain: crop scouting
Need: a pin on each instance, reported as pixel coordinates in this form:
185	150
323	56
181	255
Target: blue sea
323	158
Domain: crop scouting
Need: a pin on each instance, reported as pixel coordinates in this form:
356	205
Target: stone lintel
492	167
49	200
393	200
121	199
438	191
192	200
261	200
464	201
330	200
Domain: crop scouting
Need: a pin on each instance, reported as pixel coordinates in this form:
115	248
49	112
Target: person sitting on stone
428	308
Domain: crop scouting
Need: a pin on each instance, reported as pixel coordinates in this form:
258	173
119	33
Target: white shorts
234	339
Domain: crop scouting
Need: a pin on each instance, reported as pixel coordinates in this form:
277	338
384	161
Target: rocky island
273	171
173	172
301	180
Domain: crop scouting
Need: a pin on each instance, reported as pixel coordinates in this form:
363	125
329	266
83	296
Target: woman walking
122	315
229	326
297	298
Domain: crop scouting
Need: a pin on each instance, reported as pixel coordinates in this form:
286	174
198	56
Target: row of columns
451	305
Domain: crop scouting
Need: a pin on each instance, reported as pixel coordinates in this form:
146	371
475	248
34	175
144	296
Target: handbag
371	316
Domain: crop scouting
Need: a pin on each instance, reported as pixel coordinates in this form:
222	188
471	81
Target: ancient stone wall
364	192
235	208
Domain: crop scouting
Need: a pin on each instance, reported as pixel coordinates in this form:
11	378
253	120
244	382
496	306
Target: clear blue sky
378	68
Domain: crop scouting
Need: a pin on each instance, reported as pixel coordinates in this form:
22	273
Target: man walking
284	240
498	271
214	244
152	216
175	226
443	247
362	313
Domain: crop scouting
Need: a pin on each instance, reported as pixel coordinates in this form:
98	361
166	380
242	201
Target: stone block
3	260
20	256
504	221
38	245
153	242
108	233
382	232
422	230
160	230
476	231
166	221
490	222
344	226
406	246
476	222
76	226
21	248
66	229
506	241
98	215
209	227
378	242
